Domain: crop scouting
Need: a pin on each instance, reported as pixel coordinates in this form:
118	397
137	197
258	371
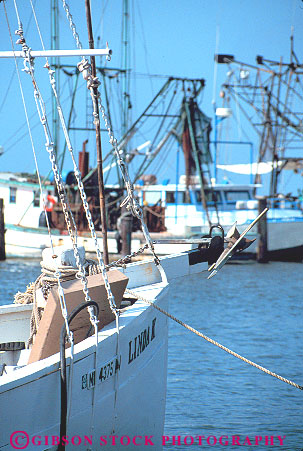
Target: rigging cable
28	126
130	200
73	233
35	315
92	84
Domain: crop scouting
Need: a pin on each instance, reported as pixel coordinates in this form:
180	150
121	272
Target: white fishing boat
256	98
25	234
185	218
116	387
181	218
84	349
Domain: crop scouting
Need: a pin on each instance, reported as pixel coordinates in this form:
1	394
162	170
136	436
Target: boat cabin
23	202
183	207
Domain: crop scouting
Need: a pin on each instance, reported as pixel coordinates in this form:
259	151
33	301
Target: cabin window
181	197
12	195
170	197
184	197
36	201
234	196
212	197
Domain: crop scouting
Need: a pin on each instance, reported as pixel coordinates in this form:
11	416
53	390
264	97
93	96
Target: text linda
141	341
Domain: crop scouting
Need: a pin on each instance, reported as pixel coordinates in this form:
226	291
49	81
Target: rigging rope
36	315
210	340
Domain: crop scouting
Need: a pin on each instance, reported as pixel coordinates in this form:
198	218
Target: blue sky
167	37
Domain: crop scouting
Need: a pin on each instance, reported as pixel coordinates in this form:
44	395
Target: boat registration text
104	372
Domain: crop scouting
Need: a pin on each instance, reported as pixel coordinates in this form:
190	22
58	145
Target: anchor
236	243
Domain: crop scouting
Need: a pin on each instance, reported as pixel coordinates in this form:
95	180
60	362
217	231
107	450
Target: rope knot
20	41
93	82
84	68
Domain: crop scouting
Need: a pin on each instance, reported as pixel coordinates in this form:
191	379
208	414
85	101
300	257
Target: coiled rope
46	280
210	340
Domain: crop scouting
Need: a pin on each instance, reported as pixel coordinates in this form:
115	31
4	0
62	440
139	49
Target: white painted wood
15	322
130	403
30	396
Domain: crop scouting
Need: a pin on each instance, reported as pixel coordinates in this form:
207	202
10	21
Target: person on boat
49	206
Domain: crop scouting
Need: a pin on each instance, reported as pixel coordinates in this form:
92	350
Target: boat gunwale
51	364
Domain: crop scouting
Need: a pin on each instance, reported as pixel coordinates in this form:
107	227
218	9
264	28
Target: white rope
210	340
70	381
94	388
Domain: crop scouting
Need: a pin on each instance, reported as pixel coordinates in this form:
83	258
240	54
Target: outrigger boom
49	53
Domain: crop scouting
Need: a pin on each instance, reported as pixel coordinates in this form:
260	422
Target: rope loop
85	68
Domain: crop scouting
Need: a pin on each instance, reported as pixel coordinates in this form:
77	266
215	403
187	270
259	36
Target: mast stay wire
25	123
130	200
145	48
61	190
81	188
144	119
28	126
62	301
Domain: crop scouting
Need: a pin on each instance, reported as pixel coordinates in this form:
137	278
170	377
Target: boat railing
291	202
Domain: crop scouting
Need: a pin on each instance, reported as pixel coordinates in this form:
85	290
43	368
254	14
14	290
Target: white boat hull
284	231
29	242
116	412
128	403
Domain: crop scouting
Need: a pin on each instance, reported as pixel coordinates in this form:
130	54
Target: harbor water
215	400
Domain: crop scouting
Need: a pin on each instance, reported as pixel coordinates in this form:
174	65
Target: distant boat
267	97
185	218
26	234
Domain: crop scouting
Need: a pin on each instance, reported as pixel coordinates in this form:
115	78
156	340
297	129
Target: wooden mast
98	140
